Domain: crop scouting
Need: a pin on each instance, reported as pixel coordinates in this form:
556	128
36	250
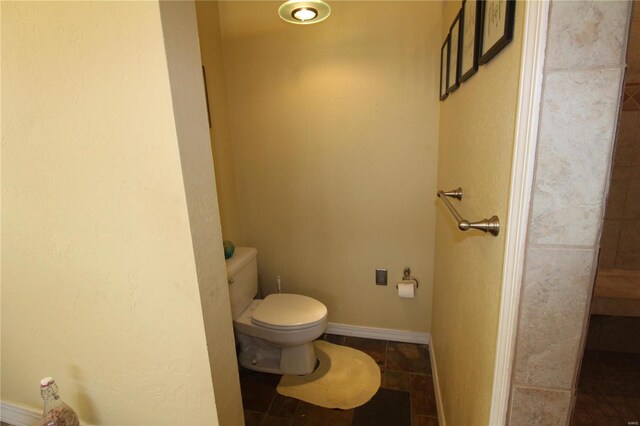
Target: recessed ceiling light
304	12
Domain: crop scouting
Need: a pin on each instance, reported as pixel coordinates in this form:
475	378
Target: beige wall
212	59
477	124
100	272
334	132
189	107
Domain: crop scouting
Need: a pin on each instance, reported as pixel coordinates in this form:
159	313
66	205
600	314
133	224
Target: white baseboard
436	385
378	333
16	415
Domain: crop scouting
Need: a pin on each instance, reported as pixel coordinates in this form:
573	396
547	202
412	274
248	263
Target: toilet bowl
274	334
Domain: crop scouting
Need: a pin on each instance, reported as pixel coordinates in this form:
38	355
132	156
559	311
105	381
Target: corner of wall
208	19
183	58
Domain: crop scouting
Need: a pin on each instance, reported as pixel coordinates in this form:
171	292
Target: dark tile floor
608	390
405	398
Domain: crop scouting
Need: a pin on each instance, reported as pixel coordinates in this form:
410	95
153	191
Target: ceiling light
304	12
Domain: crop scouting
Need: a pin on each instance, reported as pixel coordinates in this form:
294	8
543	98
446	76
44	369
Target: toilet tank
242	268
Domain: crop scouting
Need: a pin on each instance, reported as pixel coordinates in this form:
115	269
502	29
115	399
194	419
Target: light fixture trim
287	10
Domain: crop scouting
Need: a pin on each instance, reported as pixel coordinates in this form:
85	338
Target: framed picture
470	36
444	69
453	81
497	27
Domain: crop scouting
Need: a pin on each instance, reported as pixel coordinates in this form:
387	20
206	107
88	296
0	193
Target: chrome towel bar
491	225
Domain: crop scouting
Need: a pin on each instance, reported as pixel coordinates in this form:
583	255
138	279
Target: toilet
275	334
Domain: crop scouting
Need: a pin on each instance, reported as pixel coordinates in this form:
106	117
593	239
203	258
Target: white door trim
436	385
523	166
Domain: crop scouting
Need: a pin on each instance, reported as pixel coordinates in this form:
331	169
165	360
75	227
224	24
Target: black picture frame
444	69
497	15
470	38
453	79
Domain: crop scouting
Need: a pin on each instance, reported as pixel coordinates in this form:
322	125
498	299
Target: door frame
522	173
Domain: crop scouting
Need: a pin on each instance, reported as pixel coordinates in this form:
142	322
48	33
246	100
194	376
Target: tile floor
405	398
608	390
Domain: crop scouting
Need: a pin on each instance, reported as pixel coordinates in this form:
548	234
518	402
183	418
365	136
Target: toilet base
259	355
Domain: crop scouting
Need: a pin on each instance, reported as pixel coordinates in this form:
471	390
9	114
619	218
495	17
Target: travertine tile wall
620	242
584	66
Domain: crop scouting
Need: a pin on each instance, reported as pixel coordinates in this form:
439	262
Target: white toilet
275	334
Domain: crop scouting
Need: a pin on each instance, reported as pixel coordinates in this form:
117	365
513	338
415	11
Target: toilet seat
289	312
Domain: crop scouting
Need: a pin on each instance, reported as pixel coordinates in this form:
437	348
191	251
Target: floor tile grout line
295	413
386	352
266	414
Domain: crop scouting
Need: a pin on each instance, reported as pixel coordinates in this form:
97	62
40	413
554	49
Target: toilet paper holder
406	276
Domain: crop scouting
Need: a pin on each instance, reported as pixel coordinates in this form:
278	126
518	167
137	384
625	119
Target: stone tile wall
584	66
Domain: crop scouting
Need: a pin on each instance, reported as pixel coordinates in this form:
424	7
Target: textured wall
334	131
477	125
185	74
99	279
212	59
584	65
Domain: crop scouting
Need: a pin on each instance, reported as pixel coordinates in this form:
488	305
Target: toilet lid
289	311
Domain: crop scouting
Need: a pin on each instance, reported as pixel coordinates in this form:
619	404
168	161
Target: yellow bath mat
345	378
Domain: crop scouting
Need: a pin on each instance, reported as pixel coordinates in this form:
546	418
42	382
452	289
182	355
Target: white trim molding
19	416
522	171
378	333
436	385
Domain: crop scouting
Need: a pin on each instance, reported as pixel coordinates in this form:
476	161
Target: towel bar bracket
454	193
491	225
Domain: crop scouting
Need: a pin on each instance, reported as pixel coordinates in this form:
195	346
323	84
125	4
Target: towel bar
491	225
